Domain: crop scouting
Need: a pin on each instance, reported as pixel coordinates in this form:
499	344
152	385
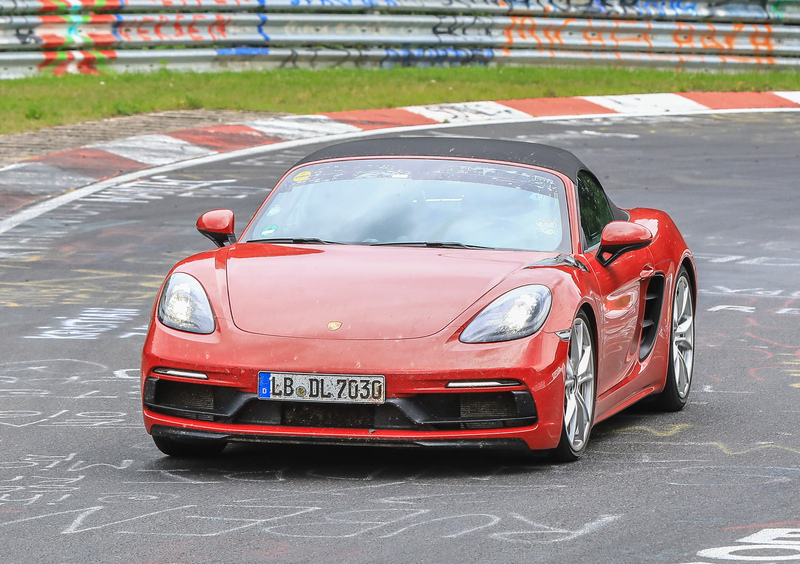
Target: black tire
681	346
579	392
189	449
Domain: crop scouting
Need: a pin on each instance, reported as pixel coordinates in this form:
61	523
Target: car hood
359	292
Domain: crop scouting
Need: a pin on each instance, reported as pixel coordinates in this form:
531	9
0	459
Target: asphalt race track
81	481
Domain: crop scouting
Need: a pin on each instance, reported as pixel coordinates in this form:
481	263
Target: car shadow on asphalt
350	462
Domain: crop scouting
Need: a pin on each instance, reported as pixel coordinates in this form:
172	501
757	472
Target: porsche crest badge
334	325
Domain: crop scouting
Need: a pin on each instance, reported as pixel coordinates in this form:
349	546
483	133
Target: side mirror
217	225
620	237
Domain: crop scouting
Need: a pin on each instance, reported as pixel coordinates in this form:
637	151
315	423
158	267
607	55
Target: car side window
595	209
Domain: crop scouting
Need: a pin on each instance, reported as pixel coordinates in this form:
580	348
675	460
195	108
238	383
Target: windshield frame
248	236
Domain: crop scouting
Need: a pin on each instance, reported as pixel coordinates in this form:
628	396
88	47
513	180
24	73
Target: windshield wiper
316	241
431	244
296	241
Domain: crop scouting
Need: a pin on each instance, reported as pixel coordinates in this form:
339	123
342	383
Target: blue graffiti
436	57
243	51
340	3
262	18
118	23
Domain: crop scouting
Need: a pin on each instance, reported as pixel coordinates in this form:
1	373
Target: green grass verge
35	103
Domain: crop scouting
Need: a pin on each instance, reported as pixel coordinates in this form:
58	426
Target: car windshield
416	202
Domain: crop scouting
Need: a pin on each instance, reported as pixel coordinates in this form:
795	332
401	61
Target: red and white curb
33	187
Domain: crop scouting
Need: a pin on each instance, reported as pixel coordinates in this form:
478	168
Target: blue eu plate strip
264	384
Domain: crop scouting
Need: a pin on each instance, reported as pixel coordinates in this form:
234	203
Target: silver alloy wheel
579	386
682	337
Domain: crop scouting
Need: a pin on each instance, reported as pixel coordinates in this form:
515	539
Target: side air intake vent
652	312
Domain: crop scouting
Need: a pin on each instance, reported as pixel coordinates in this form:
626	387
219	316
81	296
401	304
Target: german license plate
333	388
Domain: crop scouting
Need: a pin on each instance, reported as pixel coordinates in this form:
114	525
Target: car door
619	287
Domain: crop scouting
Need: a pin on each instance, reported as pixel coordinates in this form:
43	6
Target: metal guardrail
183	30
123	42
764	11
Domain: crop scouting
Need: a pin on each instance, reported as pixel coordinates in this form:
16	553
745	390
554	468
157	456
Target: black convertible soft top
518	152
499	150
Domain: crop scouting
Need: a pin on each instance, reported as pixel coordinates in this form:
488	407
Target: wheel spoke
582	412
684	300
574	354
683	348
687	357
675	313
585	362
569	379
682	374
578	340
570	411
572	367
685	325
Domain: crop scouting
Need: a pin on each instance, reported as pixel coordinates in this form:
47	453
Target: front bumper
420	409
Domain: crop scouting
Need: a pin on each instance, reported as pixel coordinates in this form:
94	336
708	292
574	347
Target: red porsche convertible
424	292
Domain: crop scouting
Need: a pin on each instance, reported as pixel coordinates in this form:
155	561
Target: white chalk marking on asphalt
468	112
90	324
40	178
647	103
55	202
154	149
301	127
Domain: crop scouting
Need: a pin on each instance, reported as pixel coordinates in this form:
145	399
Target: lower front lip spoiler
202	436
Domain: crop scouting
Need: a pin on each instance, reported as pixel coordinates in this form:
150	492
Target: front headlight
513	315
184	305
